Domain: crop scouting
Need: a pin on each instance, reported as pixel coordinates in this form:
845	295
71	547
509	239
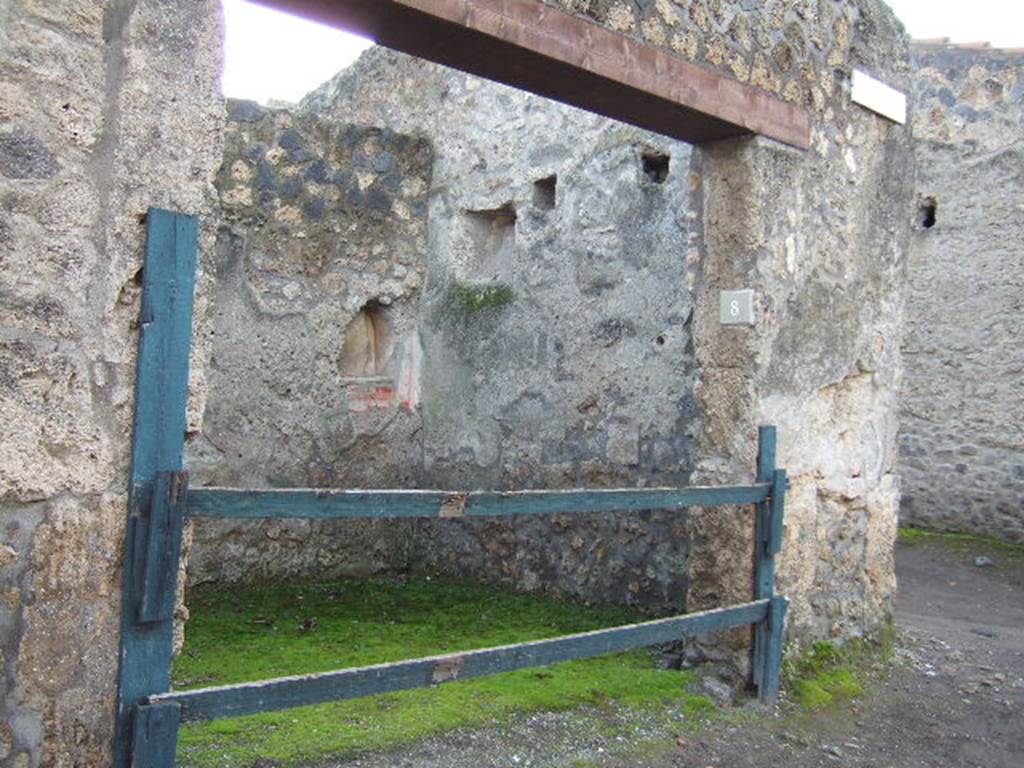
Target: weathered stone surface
545	358
962	446
785	47
320	261
106	108
824	367
538	367
23	156
822	239
523	300
583	377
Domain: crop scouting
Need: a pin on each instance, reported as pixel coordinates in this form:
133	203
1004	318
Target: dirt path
955	699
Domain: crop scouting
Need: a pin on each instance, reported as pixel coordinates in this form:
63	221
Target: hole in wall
656	166
130	291
493	236
367	343
929	209
545	192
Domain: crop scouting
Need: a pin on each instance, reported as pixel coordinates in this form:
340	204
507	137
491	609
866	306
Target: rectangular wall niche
492	235
545	193
367	345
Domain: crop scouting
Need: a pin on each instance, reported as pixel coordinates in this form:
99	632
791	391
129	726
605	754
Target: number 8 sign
737	307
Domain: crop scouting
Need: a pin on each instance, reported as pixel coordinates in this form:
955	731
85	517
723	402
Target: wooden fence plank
314	503
769	631
161	390
764	563
288	692
162	547
155	735
768	686
778	506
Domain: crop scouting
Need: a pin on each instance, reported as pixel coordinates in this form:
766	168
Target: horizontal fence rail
317	503
303	690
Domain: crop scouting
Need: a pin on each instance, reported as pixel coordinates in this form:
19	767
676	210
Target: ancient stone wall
548	343
799	50
962	445
580	371
822	237
106	108
569	319
315	367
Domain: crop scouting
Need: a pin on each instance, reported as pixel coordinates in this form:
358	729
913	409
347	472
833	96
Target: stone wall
314	375
798	50
546	309
106	108
822	238
962	446
109	107
571	337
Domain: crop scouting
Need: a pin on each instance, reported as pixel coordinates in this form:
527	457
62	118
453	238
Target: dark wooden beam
540	49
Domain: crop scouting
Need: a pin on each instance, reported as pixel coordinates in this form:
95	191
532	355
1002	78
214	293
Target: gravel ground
953	699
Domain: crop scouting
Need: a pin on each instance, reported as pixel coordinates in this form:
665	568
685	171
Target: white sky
270	55
1000	22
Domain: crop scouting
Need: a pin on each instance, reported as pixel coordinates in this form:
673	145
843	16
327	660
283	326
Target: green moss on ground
250	633
824	674
825	688
968	543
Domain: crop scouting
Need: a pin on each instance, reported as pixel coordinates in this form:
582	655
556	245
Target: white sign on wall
737	307
879	97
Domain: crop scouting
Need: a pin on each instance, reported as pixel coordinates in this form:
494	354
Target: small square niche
656	166
492	235
545	193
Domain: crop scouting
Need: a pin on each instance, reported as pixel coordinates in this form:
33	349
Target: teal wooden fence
149	713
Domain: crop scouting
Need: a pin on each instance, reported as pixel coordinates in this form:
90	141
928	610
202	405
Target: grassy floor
256	632
824	674
964	542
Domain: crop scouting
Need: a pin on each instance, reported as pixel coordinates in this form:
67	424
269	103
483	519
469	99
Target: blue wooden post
767	544
162	547
155	735
157	488
764	567
768	685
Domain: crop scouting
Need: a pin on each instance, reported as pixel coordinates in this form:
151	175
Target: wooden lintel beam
538	48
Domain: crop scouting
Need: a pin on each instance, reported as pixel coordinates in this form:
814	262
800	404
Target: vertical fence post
155	735
764	565
156	492
768	686
767	544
